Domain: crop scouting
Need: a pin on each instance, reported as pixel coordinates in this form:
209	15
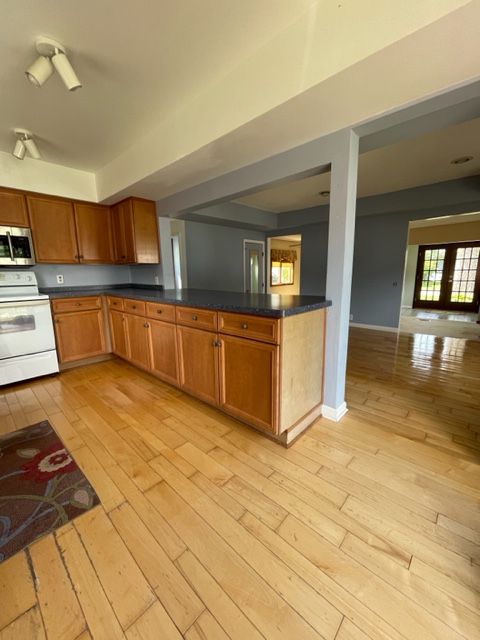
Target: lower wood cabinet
118	333
138	341
80	335
248	380
163	350
198	363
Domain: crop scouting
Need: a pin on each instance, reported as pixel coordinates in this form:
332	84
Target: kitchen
257	357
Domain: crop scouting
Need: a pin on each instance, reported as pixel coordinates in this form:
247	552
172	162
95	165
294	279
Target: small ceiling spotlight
52	56
461	160
25	142
324	194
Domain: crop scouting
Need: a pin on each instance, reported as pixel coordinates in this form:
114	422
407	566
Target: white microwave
16	247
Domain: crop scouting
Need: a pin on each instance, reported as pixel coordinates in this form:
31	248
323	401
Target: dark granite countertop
272	305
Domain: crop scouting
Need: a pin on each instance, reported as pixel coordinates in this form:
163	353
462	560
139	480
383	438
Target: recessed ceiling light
461	160
324	194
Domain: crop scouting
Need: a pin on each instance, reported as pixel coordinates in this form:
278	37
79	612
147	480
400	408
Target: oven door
25	328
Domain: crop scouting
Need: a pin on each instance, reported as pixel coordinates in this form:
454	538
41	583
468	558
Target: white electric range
27	339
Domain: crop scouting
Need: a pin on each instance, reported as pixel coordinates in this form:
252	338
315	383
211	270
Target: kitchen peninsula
256	357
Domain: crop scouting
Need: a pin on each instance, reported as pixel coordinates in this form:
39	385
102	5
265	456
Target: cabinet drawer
247	326
115	303
65	305
165	312
134	306
200	318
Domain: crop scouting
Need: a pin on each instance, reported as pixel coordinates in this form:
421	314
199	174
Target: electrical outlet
156	279
59	278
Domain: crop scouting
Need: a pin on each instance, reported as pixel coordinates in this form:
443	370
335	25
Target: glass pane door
448	277
463	281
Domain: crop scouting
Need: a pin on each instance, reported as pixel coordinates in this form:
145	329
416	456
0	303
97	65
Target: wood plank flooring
365	529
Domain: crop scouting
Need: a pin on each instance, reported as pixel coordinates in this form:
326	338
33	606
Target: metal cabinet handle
159	311
217	343
194	317
134	306
146	325
78	304
57	320
244	325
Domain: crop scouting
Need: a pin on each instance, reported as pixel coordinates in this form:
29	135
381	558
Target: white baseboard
374	327
334	414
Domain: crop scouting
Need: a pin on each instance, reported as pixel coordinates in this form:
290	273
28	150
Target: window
281	273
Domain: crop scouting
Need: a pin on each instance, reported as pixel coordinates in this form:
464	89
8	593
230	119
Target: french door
448	277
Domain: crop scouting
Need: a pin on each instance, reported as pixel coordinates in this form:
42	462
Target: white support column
341	230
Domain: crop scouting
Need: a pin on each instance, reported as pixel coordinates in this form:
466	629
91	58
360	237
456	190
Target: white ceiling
410	163
138	61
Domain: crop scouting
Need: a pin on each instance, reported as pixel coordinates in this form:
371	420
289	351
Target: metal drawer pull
146	325
194	317
78	304
244	325
159	311
134	306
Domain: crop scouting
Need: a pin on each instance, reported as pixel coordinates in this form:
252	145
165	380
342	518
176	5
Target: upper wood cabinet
94	233
136	232
53	228
13	208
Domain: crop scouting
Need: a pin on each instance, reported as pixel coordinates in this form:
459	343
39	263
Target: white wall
410	272
46	177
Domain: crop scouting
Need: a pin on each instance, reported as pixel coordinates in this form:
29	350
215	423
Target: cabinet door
94	232
138	343
249	381
123	234
13	209
163	349
145	230
53	229
79	335
118	333
198	363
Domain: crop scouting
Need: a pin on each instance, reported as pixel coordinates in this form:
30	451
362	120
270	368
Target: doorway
448	277
254	266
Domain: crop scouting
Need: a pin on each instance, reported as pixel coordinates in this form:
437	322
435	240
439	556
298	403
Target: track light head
19	150
25	142
52	56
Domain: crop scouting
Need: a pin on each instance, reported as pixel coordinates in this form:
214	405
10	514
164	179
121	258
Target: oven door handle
10	246
26	303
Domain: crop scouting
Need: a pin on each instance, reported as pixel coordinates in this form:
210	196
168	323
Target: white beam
341	237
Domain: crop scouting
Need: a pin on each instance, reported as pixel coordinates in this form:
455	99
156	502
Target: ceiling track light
24	143
52	57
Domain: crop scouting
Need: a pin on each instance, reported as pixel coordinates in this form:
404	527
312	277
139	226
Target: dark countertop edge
141	292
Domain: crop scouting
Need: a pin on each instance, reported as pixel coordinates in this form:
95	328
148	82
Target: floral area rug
41	487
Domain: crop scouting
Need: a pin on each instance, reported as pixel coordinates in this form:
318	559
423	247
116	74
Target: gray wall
381	234
215	255
81	275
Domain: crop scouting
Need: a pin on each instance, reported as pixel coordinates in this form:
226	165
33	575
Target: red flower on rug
49	463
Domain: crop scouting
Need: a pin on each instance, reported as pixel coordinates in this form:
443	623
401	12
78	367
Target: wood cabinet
13	208
136	232
80	334
249	380
118	333
163	350
198	363
138	342
267	372
94	233
53	229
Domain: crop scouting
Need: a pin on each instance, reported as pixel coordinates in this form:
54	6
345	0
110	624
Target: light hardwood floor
369	528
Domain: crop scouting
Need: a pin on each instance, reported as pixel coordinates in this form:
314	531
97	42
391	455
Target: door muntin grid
464	276
432	274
